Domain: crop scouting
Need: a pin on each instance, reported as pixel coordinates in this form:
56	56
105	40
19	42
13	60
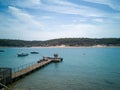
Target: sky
51	19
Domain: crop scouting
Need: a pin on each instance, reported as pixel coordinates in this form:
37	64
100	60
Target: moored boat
34	52
22	54
2	51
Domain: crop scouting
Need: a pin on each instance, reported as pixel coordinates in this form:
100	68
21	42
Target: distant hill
62	41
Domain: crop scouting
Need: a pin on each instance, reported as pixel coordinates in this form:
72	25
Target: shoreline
95	46
79	47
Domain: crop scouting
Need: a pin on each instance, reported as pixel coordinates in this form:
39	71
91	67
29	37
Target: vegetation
62	41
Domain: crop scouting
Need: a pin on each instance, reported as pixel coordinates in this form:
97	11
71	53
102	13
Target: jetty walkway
30	69
8	76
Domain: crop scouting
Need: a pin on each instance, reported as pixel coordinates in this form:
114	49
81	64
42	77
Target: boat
34	52
22	54
2	51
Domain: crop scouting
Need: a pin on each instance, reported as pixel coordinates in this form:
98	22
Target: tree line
61	41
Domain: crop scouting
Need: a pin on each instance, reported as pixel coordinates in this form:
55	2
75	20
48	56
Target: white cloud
25	19
62	3
47	17
63	31
29	3
99	20
19	25
114	4
77	30
21	3
86	12
77	26
65	7
88	30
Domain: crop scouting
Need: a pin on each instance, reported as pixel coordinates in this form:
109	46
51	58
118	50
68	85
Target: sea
86	68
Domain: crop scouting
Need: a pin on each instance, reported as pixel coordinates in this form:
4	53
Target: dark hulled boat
2	51
22	54
34	52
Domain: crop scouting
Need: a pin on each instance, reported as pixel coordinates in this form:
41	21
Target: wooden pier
29	70
41	63
16	75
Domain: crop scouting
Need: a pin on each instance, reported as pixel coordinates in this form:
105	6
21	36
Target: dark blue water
82	68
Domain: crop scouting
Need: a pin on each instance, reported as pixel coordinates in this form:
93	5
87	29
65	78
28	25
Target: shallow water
82	68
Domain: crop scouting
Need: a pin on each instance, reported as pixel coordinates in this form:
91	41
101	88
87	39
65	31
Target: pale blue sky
50	19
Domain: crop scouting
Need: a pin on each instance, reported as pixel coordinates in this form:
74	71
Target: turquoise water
82	68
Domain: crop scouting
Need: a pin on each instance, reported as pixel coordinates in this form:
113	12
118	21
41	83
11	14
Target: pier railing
5	76
24	66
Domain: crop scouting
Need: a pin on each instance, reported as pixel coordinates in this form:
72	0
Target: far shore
63	46
100	46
